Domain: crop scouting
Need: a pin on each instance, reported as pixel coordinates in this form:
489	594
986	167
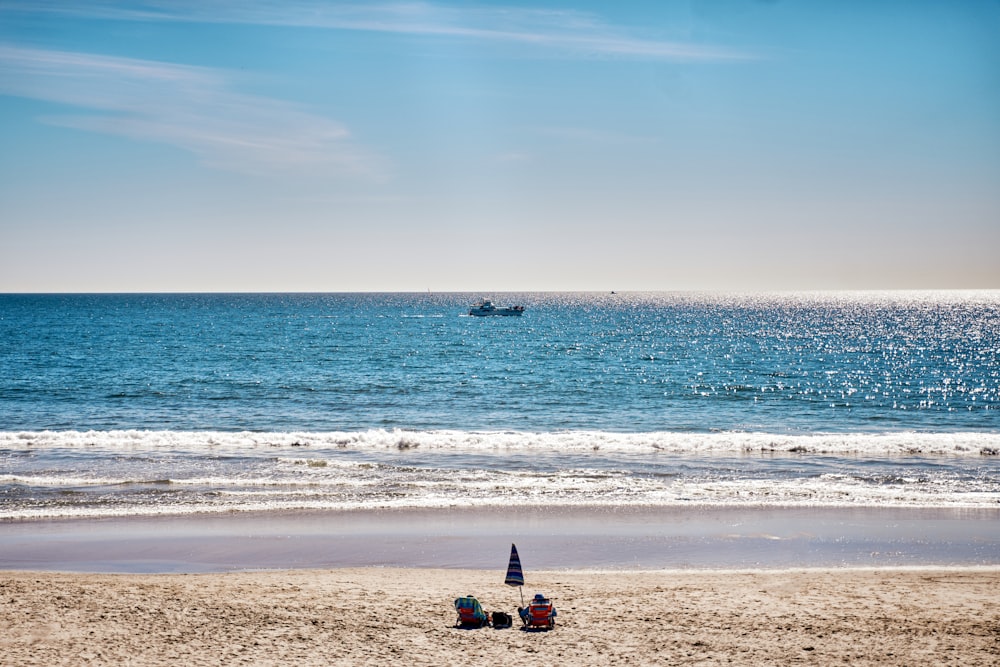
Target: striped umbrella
515	577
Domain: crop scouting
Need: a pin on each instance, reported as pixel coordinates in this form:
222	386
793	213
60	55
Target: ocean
138	405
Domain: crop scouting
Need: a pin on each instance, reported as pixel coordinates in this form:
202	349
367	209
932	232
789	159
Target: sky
306	145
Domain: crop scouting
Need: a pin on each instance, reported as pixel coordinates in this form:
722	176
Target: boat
486	308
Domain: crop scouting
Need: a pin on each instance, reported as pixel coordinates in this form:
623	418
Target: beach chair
541	613
470	613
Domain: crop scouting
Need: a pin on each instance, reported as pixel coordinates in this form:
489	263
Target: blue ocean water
166	403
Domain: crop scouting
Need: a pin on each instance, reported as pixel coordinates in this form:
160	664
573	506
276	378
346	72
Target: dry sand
405	616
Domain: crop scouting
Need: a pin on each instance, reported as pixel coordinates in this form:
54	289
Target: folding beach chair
470	613
541	613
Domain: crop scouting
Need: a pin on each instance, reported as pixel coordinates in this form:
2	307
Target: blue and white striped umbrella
514	575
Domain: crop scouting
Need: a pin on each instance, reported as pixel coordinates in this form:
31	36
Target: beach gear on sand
501	619
470	612
541	613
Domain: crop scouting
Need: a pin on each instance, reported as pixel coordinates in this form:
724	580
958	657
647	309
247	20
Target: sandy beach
357	616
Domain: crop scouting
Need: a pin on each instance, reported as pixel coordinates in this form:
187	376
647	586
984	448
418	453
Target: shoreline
377	615
576	538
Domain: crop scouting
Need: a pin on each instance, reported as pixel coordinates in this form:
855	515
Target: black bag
501	619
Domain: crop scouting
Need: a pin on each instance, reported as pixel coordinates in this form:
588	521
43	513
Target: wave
894	444
746	494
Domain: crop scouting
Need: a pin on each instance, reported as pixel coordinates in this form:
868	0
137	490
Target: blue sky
271	145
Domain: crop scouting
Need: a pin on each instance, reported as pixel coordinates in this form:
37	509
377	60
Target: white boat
486	308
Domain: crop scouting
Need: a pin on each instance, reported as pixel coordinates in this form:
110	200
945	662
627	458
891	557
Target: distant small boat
486	308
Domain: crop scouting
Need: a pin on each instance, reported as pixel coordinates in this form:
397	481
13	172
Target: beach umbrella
515	577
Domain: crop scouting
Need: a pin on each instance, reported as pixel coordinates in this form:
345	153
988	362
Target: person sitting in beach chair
540	613
470	612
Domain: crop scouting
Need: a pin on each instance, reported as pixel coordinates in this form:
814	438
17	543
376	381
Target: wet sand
362	616
548	538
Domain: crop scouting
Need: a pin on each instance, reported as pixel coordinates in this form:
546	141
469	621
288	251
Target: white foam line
576	442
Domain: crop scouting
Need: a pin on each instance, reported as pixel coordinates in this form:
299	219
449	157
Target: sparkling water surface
149	404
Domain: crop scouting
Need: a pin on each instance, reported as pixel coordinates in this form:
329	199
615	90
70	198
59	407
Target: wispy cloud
193	108
566	31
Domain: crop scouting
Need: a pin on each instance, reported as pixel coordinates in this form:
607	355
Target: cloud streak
198	110
567	32
192	108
